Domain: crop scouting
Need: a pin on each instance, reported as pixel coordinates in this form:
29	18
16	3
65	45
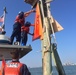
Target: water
69	70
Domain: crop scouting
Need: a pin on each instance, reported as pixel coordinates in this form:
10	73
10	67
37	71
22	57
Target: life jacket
24	28
13	68
21	21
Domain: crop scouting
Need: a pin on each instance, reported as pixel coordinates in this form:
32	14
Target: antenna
3	25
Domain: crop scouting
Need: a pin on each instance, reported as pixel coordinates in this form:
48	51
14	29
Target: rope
53	33
50	22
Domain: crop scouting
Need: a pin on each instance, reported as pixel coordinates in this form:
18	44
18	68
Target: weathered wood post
46	42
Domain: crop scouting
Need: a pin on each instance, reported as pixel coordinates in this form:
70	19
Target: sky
64	11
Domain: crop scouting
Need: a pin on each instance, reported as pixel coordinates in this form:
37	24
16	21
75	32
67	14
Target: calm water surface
69	70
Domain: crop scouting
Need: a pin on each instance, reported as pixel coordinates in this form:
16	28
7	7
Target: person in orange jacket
24	32
19	22
15	67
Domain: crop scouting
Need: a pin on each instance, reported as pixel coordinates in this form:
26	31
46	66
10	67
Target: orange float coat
21	21
13	68
24	28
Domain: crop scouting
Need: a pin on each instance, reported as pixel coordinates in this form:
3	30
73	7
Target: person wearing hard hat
24	33
19	21
15	67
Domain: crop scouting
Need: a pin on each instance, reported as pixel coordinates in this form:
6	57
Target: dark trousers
16	32
24	37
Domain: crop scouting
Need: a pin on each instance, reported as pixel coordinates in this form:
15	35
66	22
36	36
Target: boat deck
6	49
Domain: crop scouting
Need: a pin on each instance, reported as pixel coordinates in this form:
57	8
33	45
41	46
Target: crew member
24	32
20	20
15	67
